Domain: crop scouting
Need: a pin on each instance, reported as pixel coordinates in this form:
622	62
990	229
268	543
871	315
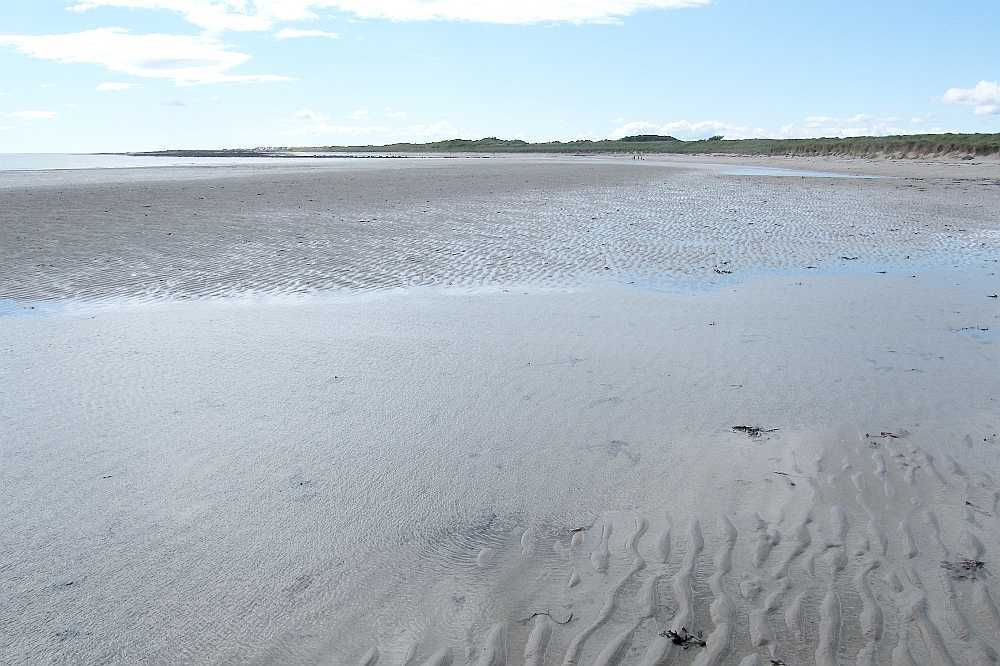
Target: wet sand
219	231
492	423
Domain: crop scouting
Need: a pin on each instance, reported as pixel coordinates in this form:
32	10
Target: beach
532	409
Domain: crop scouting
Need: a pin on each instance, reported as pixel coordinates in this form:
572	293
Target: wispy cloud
213	15
114	86
321	126
308	122
222	15
183	59
859	124
686	129
984	98
32	115
294	33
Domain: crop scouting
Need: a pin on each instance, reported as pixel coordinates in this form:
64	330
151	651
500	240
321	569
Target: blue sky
91	75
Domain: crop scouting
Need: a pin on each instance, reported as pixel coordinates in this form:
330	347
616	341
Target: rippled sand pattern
473	223
816	581
506	475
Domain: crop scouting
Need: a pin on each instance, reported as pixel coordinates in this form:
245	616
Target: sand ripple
480	223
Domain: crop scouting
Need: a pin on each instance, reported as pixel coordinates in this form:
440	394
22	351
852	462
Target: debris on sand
787	477
963	569
993	296
547	614
845	258
885	434
722	271
977	508
753	431
684	638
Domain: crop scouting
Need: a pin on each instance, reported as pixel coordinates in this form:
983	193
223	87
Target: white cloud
183	59
635	127
114	86
32	115
985	97
313	123
685	129
860	124
818	121
220	15
504	11
293	33
323	129
392	113
215	15
359	114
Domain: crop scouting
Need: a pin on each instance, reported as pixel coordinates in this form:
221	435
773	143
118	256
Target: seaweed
753	431
684	638
963	569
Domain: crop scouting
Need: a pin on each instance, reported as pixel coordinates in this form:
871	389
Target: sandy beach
482	410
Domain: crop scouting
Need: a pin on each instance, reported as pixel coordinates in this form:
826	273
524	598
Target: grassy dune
904	146
918	145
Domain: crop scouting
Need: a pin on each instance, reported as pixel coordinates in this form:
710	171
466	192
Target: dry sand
929	168
534	464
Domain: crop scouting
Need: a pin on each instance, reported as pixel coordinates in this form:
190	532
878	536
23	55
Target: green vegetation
914	145
645	138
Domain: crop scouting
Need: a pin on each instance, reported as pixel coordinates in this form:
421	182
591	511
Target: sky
117	75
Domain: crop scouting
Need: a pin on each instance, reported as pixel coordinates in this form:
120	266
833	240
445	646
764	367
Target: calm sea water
47	161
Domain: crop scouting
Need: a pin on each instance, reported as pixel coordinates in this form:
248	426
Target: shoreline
916	167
